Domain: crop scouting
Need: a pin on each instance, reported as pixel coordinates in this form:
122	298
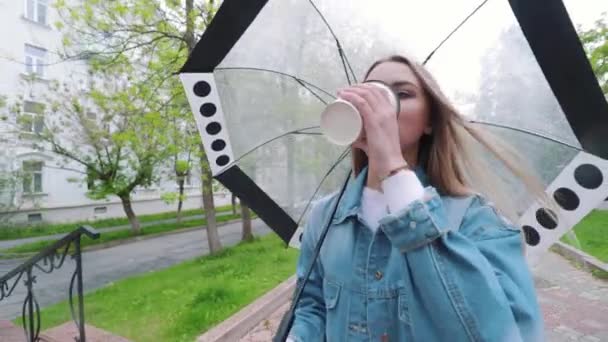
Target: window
32	120
34	217
36	10
100	210
32	176
35	58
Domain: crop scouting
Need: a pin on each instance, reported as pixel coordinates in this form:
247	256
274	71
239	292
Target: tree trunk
233	200
180	200
246	219
126	205
206	177
213	237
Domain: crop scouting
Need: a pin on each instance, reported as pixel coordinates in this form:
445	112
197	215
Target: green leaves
182	167
595	41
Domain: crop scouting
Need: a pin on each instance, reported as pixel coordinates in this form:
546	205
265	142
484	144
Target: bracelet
394	171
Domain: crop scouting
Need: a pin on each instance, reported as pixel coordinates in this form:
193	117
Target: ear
428	130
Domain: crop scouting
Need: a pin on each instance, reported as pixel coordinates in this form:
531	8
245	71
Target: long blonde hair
446	155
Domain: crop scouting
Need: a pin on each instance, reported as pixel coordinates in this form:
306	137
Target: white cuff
401	189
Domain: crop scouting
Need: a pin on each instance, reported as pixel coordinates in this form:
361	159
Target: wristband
394	171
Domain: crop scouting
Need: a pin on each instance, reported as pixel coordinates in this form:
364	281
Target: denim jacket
443	269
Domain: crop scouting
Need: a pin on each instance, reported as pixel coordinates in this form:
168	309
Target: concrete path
107	265
574	305
12	243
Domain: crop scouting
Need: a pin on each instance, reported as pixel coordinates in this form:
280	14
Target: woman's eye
405	94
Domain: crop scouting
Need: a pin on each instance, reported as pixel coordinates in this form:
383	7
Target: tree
162	33
247	234
595	41
182	171
185	142
10	201
14	179
109	129
233	202
514	92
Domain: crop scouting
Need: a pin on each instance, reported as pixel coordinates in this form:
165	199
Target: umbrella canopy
263	71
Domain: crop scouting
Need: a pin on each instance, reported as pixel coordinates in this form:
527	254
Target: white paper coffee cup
341	122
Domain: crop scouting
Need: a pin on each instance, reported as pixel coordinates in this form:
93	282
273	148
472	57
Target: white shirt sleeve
402	189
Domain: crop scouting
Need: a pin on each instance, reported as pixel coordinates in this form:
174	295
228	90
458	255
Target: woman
413	254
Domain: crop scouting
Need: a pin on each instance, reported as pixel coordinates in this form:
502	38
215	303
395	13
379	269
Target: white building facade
51	193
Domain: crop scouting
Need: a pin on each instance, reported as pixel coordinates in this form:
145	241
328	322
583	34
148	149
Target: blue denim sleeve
475	273
309	321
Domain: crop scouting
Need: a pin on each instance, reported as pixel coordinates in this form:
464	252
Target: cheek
413	118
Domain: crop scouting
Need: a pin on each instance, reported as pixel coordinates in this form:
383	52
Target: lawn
592	235
19	232
181	302
118	235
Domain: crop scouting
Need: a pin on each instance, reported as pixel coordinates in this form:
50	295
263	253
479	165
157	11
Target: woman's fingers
370	93
361	103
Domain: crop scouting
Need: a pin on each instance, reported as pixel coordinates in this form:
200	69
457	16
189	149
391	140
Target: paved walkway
102	267
574	305
12	243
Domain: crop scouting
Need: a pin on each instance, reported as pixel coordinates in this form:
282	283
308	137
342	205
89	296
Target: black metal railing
46	261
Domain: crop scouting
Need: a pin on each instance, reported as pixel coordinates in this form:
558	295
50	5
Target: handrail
86	230
52	257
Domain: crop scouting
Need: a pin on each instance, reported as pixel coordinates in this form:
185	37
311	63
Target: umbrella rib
454	31
345	153
309	90
344	59
302	82
521	130
331	169
311	133
297	131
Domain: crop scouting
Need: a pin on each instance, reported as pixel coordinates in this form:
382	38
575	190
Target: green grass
118	235
600	274
181	302
592	235
20	232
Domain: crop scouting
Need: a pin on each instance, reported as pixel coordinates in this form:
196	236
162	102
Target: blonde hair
446	155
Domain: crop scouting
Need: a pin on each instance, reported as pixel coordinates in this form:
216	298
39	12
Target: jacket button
378	275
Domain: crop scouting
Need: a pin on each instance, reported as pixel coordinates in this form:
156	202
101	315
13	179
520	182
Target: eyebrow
396	84
403	83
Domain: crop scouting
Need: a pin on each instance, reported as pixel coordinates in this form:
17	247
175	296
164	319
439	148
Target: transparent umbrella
263	71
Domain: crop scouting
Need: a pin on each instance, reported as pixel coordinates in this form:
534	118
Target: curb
124	241
152	236
239	324
587	261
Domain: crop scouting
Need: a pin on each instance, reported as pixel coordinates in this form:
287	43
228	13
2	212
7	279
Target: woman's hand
380	136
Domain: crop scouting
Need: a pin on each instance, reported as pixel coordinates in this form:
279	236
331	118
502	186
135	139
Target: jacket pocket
331	293
403	308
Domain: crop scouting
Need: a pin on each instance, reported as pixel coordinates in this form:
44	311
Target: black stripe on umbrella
560	54
230	22
251	194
